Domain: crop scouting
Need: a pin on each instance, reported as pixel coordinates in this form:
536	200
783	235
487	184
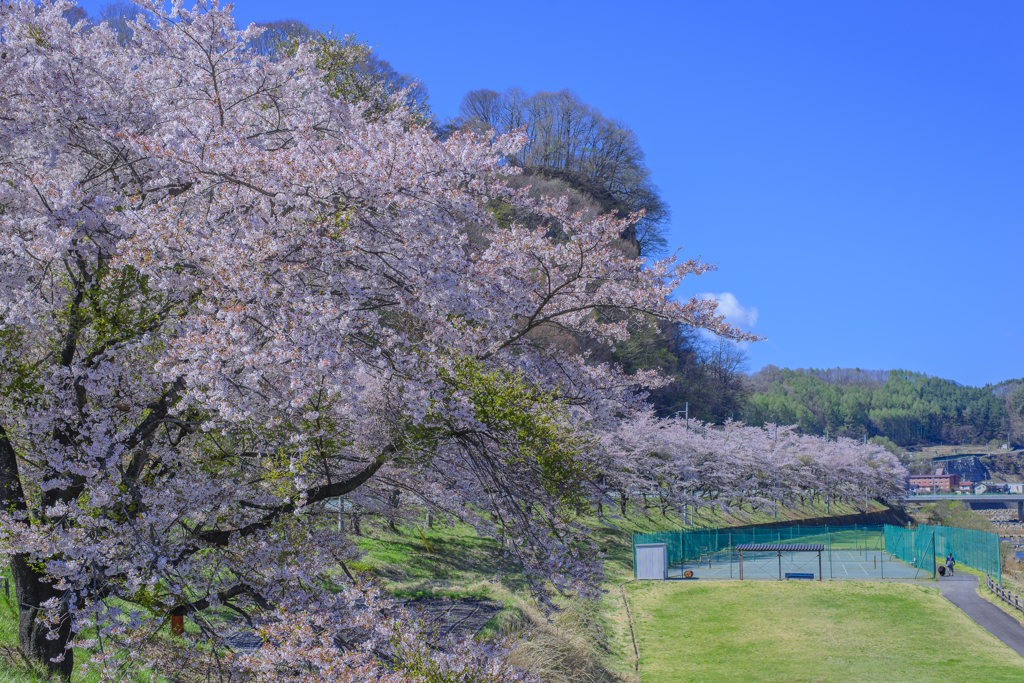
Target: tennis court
849	552
837	564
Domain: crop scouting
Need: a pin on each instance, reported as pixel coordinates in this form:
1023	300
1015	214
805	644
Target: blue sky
856	169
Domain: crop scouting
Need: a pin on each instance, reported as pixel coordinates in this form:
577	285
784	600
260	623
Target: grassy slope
592	639
457	558
846	632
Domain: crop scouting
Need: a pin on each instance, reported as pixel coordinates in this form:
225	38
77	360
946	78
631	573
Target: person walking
949	564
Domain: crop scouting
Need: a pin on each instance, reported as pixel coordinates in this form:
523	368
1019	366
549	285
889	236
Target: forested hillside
906	407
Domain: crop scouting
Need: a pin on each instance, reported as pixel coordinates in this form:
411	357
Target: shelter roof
784	547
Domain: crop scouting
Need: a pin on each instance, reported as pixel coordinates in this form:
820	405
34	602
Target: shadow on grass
417	560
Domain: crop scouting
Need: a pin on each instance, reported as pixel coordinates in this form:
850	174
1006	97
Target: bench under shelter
780	548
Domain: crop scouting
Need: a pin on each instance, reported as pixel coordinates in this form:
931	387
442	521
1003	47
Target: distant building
966	487
1015	488
940	483
980	488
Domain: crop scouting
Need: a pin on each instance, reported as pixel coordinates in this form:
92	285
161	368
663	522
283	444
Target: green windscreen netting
685	545
976	549
850	551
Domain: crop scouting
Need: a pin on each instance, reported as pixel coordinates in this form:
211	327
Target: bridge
1017	498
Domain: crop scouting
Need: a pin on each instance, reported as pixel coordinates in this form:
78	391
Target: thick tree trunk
622	502
32	593
32	635
393	501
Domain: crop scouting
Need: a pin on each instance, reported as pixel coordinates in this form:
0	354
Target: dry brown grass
570	648
582	643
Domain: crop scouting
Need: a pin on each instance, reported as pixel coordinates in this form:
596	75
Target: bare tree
119	15
279	35
1014	402
566	134
75	14
482	107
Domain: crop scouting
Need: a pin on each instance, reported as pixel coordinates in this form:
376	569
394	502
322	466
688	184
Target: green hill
907	407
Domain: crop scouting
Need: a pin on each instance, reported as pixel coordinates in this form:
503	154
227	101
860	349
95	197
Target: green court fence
685	545
916	549
927	547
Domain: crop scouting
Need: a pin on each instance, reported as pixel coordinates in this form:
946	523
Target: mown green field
790	632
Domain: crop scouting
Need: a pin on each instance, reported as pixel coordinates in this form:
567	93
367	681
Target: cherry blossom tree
684	463
228	296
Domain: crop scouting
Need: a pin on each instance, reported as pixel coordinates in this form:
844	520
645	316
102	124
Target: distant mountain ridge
907	407
860	377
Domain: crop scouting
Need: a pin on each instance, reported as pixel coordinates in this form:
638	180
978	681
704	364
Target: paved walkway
962	591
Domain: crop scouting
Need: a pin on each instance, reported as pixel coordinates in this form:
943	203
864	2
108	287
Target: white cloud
729	306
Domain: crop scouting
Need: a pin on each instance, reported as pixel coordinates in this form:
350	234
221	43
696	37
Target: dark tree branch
313	495
222	597
157	413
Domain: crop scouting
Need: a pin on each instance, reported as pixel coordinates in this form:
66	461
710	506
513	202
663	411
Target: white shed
652	561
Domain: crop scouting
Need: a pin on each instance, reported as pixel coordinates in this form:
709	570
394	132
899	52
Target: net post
999	559
819	565
935	569
829	532
634	556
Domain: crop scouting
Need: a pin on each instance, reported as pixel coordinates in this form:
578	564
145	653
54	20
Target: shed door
652	561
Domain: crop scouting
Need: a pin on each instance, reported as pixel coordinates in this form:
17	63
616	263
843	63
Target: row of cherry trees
230	294
682	463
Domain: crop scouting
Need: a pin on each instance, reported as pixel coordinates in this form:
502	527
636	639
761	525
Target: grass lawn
793	632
